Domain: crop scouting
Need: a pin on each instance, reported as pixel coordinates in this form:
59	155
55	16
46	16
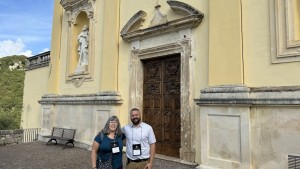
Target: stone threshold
174	159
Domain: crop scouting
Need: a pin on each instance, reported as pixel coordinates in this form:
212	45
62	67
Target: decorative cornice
70	5
191	18
134	23
73	7
242	95
227	89
183	8
175	25
101	98
159	50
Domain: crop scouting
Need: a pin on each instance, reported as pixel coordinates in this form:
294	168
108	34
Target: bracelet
94	168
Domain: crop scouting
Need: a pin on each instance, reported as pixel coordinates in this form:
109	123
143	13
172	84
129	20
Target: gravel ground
38	155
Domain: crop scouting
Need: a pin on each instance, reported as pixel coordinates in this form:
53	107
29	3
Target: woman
108	144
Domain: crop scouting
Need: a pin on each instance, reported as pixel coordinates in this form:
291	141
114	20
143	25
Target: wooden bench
62	134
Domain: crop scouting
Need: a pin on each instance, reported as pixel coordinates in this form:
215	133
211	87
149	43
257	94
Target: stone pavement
38	155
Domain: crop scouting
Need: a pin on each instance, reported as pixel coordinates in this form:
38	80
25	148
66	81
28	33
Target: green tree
11	91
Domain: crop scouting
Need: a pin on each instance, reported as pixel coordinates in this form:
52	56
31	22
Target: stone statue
83	43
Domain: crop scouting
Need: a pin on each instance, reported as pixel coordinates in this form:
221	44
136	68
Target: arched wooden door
161	102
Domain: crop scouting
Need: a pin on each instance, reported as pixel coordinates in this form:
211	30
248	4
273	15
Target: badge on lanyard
136	149
115	147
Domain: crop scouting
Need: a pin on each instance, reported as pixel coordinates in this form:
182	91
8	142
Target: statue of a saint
83	43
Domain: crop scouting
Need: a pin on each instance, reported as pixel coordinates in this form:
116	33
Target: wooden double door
161	102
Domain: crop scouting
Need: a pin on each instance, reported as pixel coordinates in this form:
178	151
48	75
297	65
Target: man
140	142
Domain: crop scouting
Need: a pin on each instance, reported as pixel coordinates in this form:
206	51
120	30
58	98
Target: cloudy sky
25	26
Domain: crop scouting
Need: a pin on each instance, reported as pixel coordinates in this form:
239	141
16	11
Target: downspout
242	39
118	45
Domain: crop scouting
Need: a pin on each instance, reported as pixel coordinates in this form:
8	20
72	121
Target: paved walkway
37	155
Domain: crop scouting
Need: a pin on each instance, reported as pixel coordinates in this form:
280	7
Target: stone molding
284	46
78	79
191	18
135	22
243	95
73	7
183	8
182	47
101	98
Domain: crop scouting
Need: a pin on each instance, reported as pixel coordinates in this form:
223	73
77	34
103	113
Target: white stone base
80	69
206	167
243	128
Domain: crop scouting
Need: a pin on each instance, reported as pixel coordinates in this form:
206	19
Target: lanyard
141	133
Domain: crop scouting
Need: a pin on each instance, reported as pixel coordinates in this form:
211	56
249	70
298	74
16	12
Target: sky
25	27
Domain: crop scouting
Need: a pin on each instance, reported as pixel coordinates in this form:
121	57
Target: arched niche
79	13
80	21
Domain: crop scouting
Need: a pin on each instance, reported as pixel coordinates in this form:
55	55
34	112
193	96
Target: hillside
12	76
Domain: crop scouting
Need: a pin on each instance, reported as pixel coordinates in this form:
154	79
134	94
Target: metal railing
293	162
30	134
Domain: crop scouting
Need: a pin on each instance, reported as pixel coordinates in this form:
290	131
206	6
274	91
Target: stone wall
249	128
8	137
86	113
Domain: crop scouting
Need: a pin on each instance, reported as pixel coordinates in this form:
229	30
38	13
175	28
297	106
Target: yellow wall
35	86
55	49
259	71
104	58
296	19
225	42
110	42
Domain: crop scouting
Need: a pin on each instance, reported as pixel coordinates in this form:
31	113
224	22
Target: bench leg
51	141
72	142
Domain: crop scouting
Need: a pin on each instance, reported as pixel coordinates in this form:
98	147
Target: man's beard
136	121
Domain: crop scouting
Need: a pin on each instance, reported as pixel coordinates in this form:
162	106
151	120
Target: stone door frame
182	47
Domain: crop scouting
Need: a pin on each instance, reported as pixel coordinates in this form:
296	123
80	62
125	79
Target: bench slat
61	138
68	133
62	134
57	132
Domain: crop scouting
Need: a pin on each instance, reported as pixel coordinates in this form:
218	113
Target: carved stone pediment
73	7
183	8
191	18
134	23
159	18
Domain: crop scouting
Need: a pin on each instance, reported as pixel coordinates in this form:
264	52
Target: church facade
217	80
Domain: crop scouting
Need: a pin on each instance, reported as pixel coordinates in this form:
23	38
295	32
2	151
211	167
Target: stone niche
160	39
79	13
